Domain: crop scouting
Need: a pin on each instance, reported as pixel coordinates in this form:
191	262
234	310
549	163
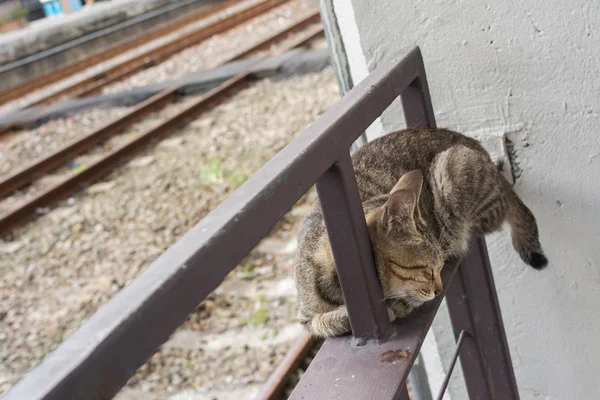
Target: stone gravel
26	146
57	270
219	46
21	148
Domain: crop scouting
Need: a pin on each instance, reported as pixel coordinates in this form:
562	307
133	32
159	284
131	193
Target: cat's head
408	260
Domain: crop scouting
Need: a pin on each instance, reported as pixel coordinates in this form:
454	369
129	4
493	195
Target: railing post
351	247
473	306
416	103
346	227
404	394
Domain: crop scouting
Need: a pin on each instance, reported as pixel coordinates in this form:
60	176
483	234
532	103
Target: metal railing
99	358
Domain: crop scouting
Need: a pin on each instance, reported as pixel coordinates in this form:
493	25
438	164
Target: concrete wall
527	71
8	6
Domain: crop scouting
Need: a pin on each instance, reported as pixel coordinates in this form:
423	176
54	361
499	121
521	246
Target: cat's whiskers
396	302
444	243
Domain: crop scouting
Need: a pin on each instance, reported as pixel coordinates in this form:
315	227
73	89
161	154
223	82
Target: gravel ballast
26	146
60	268
202	55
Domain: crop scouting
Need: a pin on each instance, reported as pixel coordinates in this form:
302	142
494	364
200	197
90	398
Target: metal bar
364	372
404	393
375	371
292	360
36	169
459	344
416	102
99	357
346	227
351	247
473	306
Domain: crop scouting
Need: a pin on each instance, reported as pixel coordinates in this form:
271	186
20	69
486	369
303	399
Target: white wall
530	71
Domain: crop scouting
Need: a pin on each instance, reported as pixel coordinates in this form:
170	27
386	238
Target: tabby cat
424	192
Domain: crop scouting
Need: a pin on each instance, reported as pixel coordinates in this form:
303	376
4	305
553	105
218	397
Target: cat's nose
437	292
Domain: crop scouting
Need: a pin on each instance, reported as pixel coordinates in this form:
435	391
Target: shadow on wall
558	304
565	217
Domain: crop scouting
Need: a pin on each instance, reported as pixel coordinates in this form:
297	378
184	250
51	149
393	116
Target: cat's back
380	163
409	148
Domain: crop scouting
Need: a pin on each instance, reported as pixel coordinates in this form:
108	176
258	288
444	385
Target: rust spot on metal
395	356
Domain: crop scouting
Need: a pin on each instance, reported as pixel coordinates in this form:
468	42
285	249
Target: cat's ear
412	182
402	207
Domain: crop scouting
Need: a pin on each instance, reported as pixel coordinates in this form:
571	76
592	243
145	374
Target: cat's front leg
391	314
332	323
398	308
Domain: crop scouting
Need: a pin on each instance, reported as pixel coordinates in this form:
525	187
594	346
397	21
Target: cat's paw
329	324
391	314
400	309
537	260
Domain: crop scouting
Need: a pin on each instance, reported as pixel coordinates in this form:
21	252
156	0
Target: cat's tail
525	236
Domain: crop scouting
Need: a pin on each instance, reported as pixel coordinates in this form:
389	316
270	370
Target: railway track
297	34
113	51
116	71
275	386
219	19
231	345
300	35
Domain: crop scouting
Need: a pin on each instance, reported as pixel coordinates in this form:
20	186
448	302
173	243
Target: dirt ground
57	270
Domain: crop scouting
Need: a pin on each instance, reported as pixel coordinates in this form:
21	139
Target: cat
424	192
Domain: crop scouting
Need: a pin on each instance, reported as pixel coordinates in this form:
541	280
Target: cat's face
409	270
409	263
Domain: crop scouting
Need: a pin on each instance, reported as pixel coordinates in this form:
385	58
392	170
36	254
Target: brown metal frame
99	358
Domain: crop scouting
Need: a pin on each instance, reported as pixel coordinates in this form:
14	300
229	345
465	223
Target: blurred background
16	14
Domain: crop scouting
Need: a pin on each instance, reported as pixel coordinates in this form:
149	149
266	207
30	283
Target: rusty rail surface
99	358
113	51
94	83
109	162
274	386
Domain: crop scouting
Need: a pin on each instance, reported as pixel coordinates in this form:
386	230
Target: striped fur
425	192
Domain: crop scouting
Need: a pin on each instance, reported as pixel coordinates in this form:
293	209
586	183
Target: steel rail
94	83
30	172
105	165
296	354
113	51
